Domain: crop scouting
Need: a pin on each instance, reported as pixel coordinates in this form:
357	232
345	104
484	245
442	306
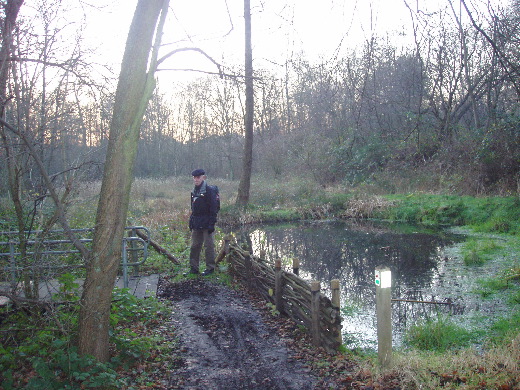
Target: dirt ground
226	344
229	341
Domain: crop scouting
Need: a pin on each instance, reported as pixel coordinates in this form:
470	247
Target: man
204	209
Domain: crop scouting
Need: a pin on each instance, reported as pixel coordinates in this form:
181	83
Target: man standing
204	209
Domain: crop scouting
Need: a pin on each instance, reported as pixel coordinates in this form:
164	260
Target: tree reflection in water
350	252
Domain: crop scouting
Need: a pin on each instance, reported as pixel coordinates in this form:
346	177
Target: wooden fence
292	295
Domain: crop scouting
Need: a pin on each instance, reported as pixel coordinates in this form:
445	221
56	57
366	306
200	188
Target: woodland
438	115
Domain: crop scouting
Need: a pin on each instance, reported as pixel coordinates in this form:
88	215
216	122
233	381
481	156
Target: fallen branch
159	249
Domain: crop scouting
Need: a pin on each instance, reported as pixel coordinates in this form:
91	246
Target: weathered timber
278	286
315	305
298	282
298	313
141	286
158	248
296	266
335	315
292	296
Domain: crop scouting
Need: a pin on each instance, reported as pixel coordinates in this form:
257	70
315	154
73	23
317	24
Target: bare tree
11	9
247	162
510	32
135	87
32	128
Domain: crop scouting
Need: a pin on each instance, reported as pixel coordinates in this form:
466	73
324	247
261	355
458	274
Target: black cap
198	172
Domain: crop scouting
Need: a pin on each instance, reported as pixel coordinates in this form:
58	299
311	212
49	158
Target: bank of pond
435	277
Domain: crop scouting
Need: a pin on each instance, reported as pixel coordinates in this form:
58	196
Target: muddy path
226	344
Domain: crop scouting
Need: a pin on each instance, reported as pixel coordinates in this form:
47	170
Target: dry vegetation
365	206
496	368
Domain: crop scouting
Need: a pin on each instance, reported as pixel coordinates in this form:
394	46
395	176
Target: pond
425	268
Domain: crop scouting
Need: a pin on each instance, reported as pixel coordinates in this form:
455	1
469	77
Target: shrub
64	368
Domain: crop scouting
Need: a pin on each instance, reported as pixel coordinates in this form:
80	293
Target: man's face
197	180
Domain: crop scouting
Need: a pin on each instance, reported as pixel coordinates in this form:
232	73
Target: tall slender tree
247	162
11	8
135	87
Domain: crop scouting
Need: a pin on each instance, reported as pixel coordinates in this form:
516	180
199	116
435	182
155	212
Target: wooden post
12	263
227	241
315	309
124	253
225	249
248	265
296	266
278	285
334	286
383	281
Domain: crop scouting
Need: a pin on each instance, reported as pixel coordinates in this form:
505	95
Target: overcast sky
282	29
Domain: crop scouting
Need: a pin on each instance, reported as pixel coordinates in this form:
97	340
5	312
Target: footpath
229	340
226	344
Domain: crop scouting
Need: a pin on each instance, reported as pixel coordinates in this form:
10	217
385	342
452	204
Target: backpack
217	195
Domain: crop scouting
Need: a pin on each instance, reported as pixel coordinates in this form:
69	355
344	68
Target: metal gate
53	253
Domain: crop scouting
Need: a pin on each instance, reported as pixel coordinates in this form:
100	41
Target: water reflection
350	252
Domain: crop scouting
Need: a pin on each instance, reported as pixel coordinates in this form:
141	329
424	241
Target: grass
165	203
483	214
438	335
477	252
503	329
495	368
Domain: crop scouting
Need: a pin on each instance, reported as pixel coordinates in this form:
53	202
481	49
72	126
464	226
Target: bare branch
501	56
66	66
48	182
196	49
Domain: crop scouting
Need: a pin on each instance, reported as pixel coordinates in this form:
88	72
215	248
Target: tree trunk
135	87
247	162
11	10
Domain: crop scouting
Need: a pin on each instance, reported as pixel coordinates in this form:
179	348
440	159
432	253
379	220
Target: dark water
422	268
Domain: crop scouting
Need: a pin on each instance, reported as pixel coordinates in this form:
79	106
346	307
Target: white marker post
383	281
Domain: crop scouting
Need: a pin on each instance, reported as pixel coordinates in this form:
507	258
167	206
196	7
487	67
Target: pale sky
281	28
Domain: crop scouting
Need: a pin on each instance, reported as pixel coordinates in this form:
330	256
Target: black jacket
204	207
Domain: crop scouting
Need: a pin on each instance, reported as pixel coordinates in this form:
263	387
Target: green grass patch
490	286
483	214
477	252
514	299
505	329
279	215
438	335
427	209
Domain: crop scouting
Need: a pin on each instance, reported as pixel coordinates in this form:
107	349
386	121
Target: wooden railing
290	294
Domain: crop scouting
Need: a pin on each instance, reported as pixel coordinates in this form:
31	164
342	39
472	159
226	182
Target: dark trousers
199	238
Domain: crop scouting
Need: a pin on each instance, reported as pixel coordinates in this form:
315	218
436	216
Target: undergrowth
38	351
483	214
494	368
